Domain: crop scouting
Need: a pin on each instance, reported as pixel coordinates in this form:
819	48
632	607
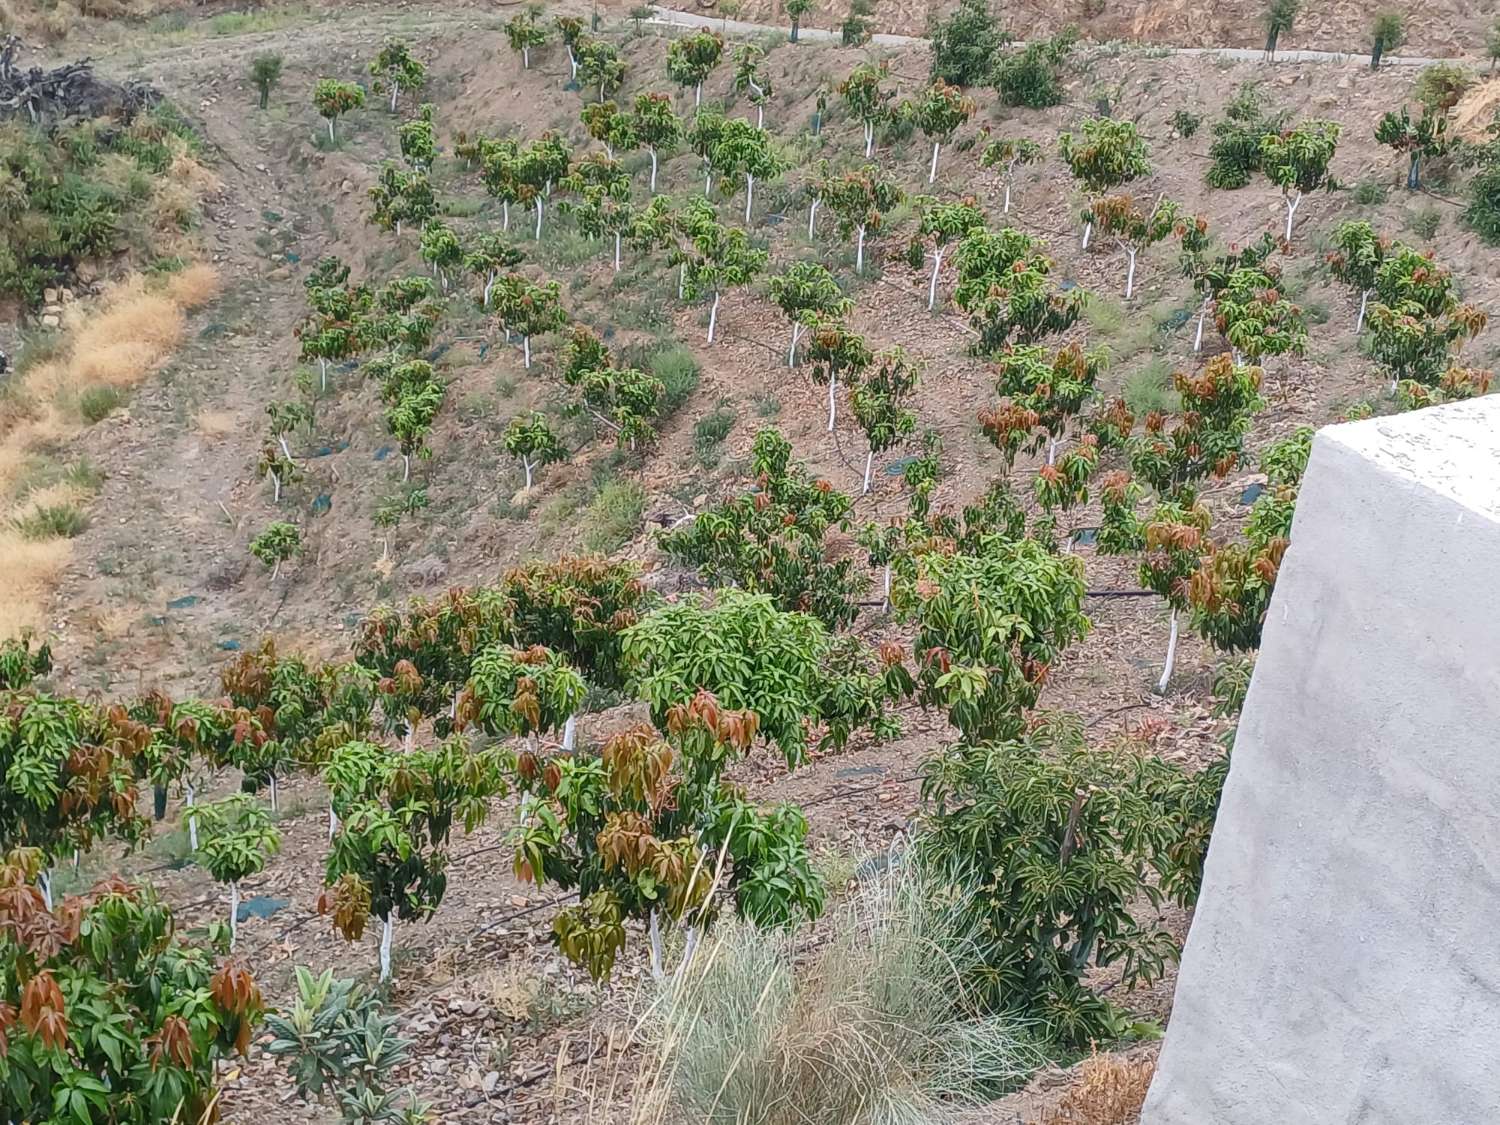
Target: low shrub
53	521
98	402
613	516
677	368
708	436
1483	212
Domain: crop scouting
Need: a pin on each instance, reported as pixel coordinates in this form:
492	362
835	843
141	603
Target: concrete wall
1344	962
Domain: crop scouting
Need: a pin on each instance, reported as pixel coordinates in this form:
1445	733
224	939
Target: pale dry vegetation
1109	1090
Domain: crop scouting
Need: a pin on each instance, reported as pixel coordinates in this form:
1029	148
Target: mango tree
1004	287
332	99
237	840
692	58
836	353
805	292
702	135
742	149
441	250
1297	162
401	197
795	10
279	542
488	255
533	310
413	395
880	406
541	164
396	69
418	138
939	113
1423	139
599	64
603	207
1417	321
1109	155
773	539
714	258
570	31
625	400
1211	273
1257	320
867	100
605	123
20	663
656	126
523	33
392	509
106	1015
750	78
530	438
1041	392
1133	228
1356	261
859	199
944	222
1009	153
501	174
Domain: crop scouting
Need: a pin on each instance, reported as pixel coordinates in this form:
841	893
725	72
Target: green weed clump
613	516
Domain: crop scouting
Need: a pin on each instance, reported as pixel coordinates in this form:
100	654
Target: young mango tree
691	59
715	258
396	69
859	199
656	126
1417	321
599	64
602	208
1133	228
570	31
867	99
794	11
1004	285
441	250
742	149
401	197
1426	138
501	174
836	353
1041	392
534	310
805	292
487	257
1108	155
237	839
1297	160
939	113
523	32
542	164
880	402
942	223
418	138
108	1016
279	542
1211	273
751	78
1356	260
332	99
605	123
1257	320
1008	154
530	439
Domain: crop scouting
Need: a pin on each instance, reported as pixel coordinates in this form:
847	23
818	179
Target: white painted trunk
749	195
489	289
859	252
1166	673
681	280
572	63
526	465
276	571
1051	451
698	95
869	464
656	957
1198	339
333	822
937	264
791	355
708	183
832	400
275	488
330	131
387	935
285	452
932	171
44	884
323	381
1006	210
274	806
1088	232
570	733
405	467
1291	211
538	218
1130	275
505	215
234	914
885	602
190	795
760	115
395	93
812	216
617	251
1364	301
713	318
869	138
653	169
525	58
526	351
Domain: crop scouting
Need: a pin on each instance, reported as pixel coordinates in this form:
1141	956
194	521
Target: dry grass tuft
1110	1090
195	285
32	568
216	424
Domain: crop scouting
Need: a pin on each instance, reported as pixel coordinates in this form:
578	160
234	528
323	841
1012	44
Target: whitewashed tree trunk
869	464
791	355
932	171
405	467
1291	211
885	597
526	464
833	383
698	96
869	138
323	380
330	131
1130	273
1051	450
1202	315
859	252
505	215
760	115
44	884
617	251
387	935
398	228
749	195
538	218
572	63
525	58
190	796
234	914
1166	673
570	732
708	183
812	216
526	351
1364	302
681	280
395	93
937	264
274	806
1006	209
656	957
275	488
333	822
713	317
276	571
653	169
1088	232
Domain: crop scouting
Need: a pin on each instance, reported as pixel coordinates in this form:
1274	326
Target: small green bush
98	403
54	521
1369	193
1424	222
965	44
1483	212
677	368
1032	76
1149	388
709	434
1186	122
1441	85
1234	154
613	516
